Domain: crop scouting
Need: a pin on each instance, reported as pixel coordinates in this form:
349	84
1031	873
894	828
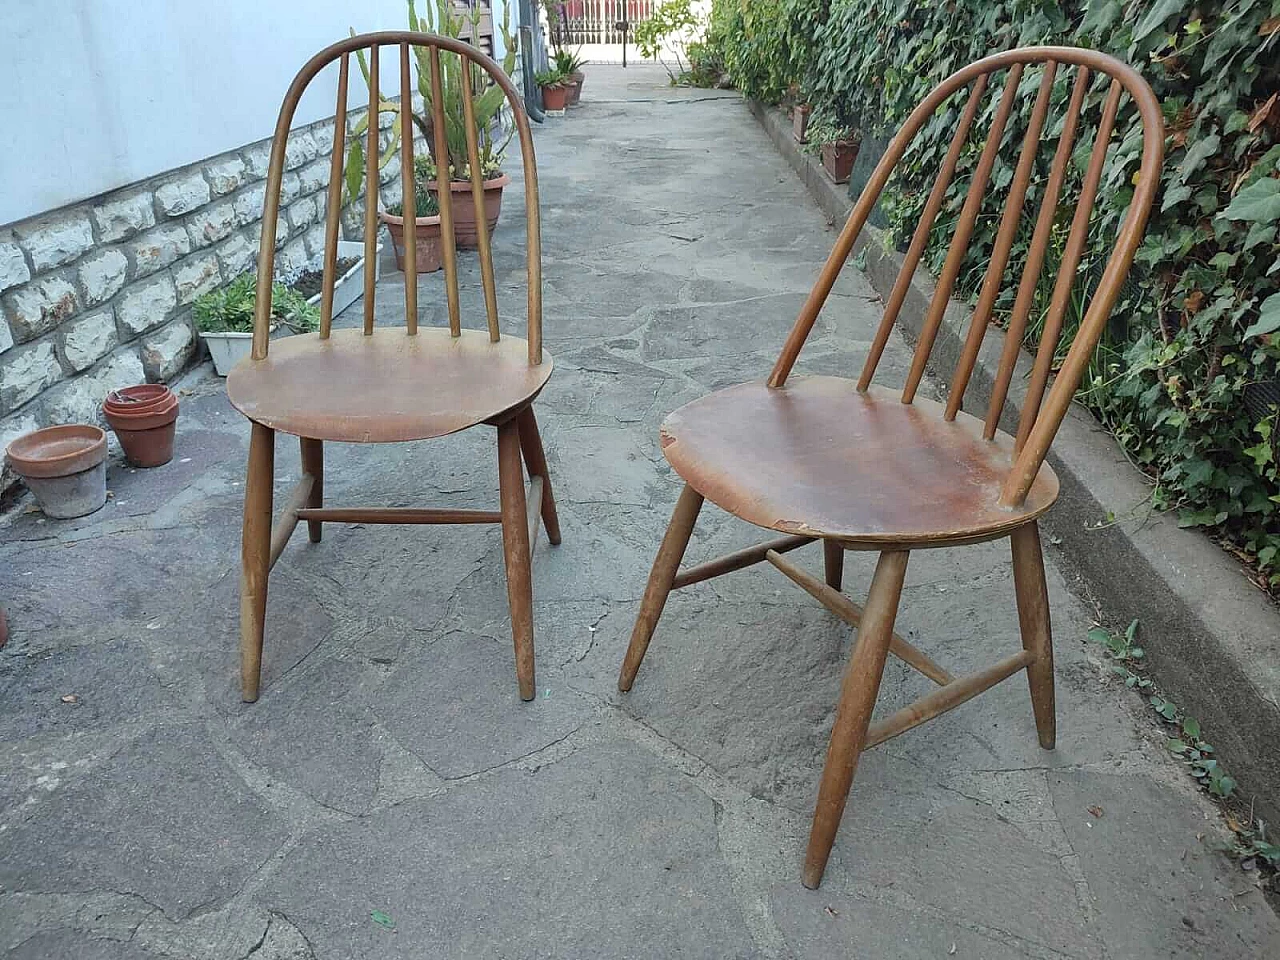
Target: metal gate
598	22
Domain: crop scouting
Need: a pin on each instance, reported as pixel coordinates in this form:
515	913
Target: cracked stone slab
82	946
602	854
455	705
1157	833
166	818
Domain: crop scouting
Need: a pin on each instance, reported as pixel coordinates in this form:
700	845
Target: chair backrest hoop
1041	419
275	174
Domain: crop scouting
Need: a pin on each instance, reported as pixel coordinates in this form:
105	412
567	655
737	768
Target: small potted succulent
428	250
838	145
224	318
555	90
570	66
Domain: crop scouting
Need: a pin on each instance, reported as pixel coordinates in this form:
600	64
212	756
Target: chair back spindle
1042	411
474	68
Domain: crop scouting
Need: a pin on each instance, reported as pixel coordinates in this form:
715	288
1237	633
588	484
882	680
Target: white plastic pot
227	349
350	286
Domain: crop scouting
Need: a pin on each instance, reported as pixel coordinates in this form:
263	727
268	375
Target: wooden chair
864	467
397	383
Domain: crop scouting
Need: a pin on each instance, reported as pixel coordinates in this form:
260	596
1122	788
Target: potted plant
224	318
64	466
144	419
800	122
570	67
428	250
487	100
349	269
555	90
838	145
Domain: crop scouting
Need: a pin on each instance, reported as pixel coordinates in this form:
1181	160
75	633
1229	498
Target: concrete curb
1213	637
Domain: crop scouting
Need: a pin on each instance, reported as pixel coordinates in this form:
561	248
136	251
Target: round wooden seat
817	458
385	387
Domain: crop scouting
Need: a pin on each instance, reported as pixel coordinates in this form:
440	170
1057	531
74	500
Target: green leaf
355	169
1259	202
383	920
1191	727
1156	17
1197	153
1268	317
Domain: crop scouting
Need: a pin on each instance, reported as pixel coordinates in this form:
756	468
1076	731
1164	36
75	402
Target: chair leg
665	567
255	557
313	464
515	548
535	458
853	715
833	560
1033	618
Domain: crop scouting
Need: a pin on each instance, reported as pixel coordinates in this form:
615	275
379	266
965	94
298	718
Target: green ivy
1197	330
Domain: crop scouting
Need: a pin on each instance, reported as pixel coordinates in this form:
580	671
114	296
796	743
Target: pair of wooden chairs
853	464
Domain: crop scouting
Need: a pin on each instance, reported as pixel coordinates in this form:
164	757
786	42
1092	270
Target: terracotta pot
145	433
574	86
838	158
428	251
555	97
464	209
64	466
800	122
135	399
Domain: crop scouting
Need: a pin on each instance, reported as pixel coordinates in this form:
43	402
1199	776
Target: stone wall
98	295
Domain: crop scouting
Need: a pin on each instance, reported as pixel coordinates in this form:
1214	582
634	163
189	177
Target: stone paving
390	773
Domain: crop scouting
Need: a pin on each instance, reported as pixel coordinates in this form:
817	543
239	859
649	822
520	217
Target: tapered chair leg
255	556
313	464
833	561
665	568
536	459
1033	618
853	715
515	548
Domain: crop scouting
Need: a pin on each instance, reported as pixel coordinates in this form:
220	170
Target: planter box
227	349
350	286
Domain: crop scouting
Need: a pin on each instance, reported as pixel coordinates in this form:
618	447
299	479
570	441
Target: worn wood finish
852	614
661	577
853	714
386	386
333	208
255	557
400	382
947	697
536	461
409	198
863	467
819	458
371	181
833	563
739	559
477	198
288	522
397	515
1033	618
515	549
313	466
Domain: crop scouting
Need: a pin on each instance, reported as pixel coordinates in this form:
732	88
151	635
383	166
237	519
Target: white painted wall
97	94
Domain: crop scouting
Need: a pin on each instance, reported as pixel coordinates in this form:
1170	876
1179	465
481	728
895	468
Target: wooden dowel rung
851	613
398	515
371	156
409	203
444	193
477	198
946	698
334	209
284	527
533	510
736	560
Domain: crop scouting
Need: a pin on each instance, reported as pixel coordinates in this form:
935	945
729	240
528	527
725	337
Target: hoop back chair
395	383
864	467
